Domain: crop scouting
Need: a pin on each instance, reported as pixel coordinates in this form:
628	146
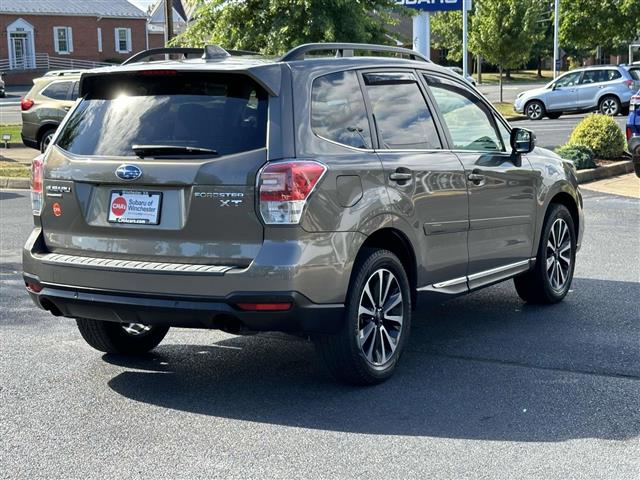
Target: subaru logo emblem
128	172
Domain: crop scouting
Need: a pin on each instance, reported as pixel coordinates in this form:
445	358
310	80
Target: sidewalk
18	154
626	185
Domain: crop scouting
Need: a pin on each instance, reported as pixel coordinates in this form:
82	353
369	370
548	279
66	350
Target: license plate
128	206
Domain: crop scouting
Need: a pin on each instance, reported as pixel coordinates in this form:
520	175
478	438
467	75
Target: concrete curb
593	174
11	182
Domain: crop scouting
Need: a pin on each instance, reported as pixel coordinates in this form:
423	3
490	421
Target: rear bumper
192	312
314	281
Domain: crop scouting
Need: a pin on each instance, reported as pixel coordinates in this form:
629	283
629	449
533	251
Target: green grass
506	109
522	76
11	129
13	169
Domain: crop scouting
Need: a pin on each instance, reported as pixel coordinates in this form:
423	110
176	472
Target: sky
142	4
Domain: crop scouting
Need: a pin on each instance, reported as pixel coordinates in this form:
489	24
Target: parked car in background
314	195
3	92
460	72
607	89
46	104
633	131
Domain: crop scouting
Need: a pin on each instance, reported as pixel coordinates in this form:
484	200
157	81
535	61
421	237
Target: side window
635	73
401	113
612	75
57	91
568	80
470	122
337	110
75	91
592	76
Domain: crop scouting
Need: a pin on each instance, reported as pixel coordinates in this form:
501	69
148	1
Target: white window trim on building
117	39
69	36
99	39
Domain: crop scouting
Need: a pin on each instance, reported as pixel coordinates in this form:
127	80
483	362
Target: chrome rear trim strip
132	265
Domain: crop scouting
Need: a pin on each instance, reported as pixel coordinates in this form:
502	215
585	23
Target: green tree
504	31
446	32
274	26
587	24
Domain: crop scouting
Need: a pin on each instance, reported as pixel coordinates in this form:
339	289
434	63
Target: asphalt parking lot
489	387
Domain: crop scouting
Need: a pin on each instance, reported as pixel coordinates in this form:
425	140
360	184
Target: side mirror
522	140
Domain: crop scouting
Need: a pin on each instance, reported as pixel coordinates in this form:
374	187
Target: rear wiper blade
147	150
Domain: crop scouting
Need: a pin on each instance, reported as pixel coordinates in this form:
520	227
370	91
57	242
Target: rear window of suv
57	91
222	112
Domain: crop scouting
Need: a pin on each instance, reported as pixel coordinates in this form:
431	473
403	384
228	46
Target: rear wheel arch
611	96
42	131
396	242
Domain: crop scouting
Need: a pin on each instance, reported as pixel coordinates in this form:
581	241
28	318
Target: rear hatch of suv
159	166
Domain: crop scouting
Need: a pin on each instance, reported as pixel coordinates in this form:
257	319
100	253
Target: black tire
45	139
111	337
342	352
554	115
536	286
610	105
535	110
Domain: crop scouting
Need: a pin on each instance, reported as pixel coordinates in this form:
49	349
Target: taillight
629	133
628	83
284	188
37	180
25	104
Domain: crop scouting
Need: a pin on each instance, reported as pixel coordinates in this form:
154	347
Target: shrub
581	156
601	134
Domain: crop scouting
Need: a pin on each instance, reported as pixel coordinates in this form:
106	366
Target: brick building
40	35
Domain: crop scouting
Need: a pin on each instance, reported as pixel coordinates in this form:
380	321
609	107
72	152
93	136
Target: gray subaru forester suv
316	195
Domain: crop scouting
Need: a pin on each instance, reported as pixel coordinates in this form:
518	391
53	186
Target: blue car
633	131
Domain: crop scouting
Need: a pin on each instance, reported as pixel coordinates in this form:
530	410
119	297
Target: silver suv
607	89
323	196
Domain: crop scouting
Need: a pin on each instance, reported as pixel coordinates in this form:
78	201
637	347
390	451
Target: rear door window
222	112
337	110
401	113
57	91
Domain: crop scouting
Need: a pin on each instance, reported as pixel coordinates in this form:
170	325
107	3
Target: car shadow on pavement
483	367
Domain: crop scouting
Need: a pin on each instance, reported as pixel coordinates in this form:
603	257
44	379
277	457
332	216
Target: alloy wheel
46	141
136	329
534	111
609	107
558	256
380	317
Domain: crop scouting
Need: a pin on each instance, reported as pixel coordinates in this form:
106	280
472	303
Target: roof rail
210	52
61	73
347	50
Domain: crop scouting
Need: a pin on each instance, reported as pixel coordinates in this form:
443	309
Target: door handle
476	178
400	176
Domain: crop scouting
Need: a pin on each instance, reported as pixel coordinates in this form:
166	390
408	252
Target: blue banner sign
434	5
